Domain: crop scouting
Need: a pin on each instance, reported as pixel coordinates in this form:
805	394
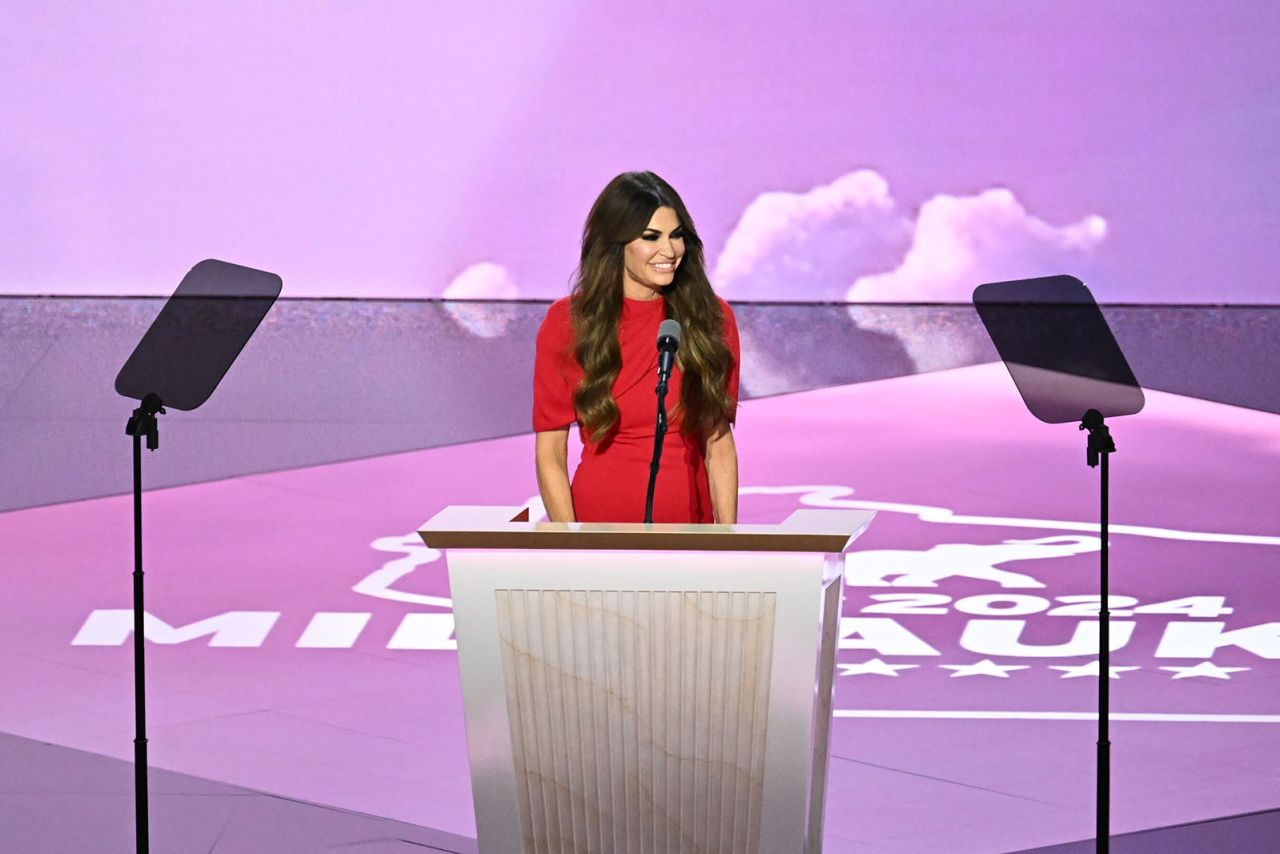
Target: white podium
646	688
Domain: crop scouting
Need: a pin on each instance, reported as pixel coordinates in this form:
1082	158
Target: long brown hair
621	214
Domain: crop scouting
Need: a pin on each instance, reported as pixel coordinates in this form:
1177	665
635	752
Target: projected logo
1003	636
961	601
968	611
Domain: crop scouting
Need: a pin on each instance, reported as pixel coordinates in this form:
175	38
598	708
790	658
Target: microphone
668	343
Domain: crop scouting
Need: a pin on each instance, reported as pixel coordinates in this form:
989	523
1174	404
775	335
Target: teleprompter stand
1068	368
179	362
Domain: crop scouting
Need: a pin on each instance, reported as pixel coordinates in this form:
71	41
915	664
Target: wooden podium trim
487	527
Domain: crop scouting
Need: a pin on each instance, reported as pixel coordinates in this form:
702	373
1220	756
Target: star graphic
986	667
1093	668
1204	668
876	666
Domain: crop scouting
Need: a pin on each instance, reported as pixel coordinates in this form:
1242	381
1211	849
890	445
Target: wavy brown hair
621	214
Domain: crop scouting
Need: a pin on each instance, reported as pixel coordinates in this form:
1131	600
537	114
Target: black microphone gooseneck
668	343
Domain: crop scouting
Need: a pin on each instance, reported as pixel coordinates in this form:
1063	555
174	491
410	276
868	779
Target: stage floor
966	683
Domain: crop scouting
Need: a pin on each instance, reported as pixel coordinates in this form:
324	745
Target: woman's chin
652	287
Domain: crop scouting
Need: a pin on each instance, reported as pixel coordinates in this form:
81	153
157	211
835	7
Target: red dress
610	483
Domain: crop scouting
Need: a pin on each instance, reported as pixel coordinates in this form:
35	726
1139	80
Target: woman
597	365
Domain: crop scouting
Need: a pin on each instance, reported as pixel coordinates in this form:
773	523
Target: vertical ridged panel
675	691
598	738
643	684
750	680
759	720
637	718
613	701
586	721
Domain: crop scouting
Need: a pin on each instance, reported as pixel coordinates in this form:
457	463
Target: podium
646	688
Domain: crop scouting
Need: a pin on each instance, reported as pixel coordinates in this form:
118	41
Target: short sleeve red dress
610	483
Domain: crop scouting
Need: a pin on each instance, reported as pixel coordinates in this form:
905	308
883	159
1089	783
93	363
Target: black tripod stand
141	424
179	362
1099	449
1065	361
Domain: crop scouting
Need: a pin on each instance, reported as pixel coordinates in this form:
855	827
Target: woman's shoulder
557	325
558	314
730	322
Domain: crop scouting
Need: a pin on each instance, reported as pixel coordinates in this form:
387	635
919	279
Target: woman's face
650	261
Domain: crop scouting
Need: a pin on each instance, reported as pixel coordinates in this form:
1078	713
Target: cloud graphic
962	241
483	281
810	246
851	241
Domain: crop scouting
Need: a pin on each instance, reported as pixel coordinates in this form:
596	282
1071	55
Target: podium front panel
642	701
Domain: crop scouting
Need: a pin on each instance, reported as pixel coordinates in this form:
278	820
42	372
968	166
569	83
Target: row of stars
987	667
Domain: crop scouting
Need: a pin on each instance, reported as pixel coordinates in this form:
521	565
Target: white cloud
959	243
810	246
483	281
850	240
962	241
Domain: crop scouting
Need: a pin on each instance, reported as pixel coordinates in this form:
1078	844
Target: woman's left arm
722	473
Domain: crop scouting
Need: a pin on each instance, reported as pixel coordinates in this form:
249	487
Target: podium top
479	527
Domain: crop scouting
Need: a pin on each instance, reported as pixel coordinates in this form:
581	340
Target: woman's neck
638	292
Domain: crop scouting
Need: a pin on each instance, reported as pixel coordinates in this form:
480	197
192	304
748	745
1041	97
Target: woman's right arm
551	454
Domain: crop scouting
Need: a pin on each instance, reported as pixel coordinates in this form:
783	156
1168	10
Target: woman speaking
597	364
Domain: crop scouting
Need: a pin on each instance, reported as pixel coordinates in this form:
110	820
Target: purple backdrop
899	151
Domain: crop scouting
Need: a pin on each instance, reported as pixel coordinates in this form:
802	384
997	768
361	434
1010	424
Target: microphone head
669	329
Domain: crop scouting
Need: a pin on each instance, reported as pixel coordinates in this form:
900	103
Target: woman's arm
551	454
722	472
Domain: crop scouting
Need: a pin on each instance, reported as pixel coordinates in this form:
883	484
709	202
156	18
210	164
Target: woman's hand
551	455
722	473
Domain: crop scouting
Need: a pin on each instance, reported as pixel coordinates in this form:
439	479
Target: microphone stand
659	434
